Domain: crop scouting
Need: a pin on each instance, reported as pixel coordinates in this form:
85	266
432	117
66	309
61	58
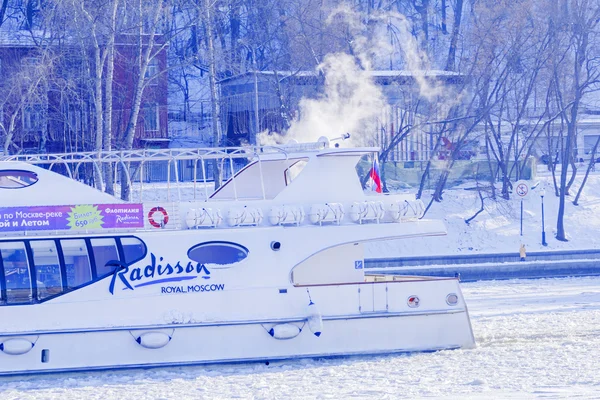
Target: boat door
373	297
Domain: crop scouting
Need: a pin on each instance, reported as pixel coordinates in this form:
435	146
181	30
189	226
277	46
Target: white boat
268	267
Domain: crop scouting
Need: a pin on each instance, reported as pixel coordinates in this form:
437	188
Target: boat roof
24	184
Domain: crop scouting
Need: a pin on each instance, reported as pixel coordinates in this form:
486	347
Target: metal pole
543	230
255	96
521	217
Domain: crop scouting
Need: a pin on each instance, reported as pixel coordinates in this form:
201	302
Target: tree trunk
3	9
481	207
444	25
108	99
214	94
99	113
283	110
10	132
427	171
423	10
560	227
454	38
491	168
591	165
144	56
424	178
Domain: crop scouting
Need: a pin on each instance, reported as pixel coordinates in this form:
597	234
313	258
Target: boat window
133	249
48	278
260	179
38	261
105	253
218	254
294	170
16	272
16	179
77	262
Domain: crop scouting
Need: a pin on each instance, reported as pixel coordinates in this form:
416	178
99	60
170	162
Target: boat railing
177	168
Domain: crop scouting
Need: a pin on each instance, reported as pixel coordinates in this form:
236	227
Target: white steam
350	101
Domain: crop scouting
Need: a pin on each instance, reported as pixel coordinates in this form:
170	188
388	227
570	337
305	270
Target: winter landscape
535	338
464	99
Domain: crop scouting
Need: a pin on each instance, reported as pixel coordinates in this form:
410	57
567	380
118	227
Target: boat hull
222	343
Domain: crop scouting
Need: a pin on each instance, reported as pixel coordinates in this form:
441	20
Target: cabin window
33	117
47	268
78	269
105	254
15	179
294	170
16	272
133	249
40	262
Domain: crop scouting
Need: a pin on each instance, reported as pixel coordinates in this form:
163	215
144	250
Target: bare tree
579	26
458	11
205	14
24	95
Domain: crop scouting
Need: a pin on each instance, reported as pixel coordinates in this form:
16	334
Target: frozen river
535	339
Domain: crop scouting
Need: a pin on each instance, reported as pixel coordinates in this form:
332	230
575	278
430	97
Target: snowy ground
535	339
497	229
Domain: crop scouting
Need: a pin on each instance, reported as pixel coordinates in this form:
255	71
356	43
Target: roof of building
19	38
375	74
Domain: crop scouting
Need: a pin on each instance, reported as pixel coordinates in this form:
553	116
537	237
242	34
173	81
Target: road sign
522	188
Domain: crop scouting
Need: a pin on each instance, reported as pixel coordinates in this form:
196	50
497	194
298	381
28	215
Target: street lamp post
542	194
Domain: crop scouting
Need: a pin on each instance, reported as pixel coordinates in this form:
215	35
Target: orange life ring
151	217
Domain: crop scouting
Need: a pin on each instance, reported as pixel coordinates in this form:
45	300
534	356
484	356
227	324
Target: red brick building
47	96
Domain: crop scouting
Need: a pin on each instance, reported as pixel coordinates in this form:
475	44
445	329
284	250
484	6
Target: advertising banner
79	217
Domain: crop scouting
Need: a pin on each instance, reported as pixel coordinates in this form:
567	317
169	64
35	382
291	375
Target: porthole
218	254
452	299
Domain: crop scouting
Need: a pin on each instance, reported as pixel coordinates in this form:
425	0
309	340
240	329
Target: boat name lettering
155	273
124	218
192	288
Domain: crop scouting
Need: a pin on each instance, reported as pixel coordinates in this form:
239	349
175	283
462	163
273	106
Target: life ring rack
153	222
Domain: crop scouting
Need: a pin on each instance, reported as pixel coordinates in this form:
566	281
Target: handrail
125	158
159	154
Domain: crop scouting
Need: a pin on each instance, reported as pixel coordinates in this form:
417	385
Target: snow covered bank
497	229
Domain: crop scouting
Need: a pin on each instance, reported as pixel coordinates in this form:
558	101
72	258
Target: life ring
151	217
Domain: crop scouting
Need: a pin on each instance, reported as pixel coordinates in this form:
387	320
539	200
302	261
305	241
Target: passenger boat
270	266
